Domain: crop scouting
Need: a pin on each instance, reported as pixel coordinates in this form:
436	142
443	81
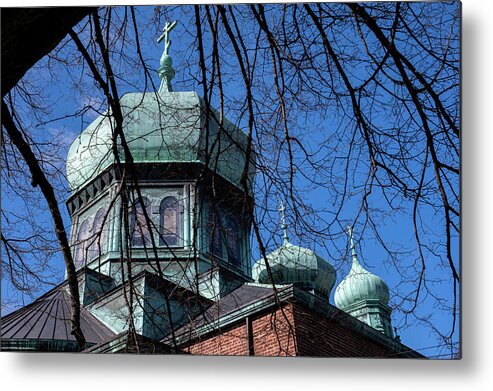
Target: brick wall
231	342
293	330
273	335
317	335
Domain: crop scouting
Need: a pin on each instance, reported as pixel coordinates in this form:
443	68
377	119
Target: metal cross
350	232
351	242
282	210
165	35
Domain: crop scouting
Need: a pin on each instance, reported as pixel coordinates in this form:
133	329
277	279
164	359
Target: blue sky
66	91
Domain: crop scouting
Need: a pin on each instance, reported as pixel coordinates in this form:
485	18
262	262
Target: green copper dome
165	127
299	266
360	285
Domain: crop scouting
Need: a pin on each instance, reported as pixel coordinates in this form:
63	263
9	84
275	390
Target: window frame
179	223
100	235
156	195
223	220
81	244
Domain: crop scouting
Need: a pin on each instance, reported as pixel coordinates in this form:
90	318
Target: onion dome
158	128
165	127
360	285
290	264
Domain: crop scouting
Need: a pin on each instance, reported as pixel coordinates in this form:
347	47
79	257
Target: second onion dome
364	296
290	264
360	285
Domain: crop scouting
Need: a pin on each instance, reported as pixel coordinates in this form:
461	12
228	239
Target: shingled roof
47	322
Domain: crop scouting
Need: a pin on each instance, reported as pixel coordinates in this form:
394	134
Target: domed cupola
364	295
189	163
290	264
360	284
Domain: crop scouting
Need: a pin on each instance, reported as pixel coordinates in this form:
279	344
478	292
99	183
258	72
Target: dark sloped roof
48	318
128	342
241	297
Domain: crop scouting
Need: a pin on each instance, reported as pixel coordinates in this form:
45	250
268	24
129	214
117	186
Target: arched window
233	240
139	227
215	234
81	244
169	222
99	235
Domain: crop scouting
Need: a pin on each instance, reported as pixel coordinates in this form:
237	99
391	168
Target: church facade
160	234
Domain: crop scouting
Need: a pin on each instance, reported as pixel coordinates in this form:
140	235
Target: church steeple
165	228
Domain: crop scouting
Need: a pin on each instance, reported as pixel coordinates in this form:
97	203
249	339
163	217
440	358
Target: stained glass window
233	241
81	244
170	222
139	227
215	235
98	235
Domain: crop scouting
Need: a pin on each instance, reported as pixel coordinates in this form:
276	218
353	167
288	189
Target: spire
351	243
282	210
166	71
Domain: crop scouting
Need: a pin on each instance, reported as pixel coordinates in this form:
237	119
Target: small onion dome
360	285
290	264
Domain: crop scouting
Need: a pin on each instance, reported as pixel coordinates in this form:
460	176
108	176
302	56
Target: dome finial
166	71
351	243
282	210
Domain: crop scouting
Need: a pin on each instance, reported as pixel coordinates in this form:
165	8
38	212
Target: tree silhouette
355	102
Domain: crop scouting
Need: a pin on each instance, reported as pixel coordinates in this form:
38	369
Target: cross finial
351	243
165	35
282	210
166	71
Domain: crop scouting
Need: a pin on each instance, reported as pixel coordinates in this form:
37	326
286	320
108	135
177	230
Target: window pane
233	240
138	225
98	235
81	244
215	235
170	222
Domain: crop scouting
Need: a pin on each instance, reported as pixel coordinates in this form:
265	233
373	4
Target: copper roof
49	318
